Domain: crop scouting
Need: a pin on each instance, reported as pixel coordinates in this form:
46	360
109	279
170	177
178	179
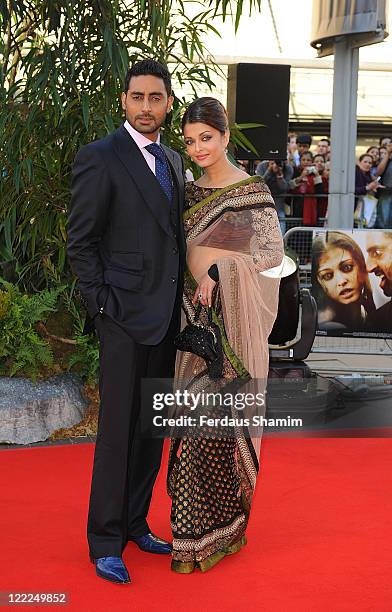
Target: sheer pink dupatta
244	243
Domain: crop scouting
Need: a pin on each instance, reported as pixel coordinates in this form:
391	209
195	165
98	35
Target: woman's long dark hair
344	313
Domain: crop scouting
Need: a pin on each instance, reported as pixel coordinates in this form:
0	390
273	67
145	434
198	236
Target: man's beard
388	288
386	280
152	127
146	129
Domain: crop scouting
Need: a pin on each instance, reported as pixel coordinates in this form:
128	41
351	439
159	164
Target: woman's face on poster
339	275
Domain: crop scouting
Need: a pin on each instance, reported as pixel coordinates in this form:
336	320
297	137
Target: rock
32	411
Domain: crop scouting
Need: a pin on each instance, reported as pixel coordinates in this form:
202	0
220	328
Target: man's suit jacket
125	240
381	320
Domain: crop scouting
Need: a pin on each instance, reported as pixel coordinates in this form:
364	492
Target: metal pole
343	135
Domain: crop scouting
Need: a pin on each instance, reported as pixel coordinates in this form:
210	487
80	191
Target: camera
312	170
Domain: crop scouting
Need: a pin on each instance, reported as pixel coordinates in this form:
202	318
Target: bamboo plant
62	65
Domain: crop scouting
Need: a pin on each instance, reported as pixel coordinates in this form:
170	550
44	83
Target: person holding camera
322	203
306	182
277	175
366	187
364	181
374	152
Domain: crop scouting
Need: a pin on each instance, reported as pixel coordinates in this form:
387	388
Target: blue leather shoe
112	569
152	544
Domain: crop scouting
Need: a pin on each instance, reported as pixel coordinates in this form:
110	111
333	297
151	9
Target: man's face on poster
379	260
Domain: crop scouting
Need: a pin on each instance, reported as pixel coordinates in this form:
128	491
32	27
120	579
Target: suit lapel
130	156
176	167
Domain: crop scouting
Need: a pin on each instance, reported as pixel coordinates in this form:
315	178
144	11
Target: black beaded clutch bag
204	341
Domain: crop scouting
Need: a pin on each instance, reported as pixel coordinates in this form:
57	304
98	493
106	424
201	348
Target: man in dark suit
379	262
126	245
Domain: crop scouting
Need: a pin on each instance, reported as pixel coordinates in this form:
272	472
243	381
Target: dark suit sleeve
88	218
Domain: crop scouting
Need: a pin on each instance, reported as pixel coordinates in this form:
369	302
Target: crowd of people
300	184
373	185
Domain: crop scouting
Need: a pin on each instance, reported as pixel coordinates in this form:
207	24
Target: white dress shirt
142	142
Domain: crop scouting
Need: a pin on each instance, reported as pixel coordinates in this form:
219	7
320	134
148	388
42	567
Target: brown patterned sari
211	480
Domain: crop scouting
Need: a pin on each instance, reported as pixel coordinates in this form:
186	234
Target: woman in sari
233	236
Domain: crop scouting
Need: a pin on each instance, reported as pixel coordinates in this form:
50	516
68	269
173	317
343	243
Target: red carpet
320	536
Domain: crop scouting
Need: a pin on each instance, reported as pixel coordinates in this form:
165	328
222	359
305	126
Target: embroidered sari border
187	567
191	211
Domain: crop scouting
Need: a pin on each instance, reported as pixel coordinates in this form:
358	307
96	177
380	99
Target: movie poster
352	282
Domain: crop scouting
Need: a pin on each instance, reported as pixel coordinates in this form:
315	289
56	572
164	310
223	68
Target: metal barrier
299	240
292	222
293	208
291	204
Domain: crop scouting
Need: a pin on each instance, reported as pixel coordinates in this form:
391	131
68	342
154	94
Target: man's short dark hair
149	67
327	140
304	139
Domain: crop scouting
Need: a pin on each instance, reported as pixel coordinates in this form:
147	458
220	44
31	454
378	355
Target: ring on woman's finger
200	296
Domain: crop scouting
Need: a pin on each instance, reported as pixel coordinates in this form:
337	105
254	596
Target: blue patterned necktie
162	171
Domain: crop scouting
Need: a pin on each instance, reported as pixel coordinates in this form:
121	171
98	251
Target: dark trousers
125	464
